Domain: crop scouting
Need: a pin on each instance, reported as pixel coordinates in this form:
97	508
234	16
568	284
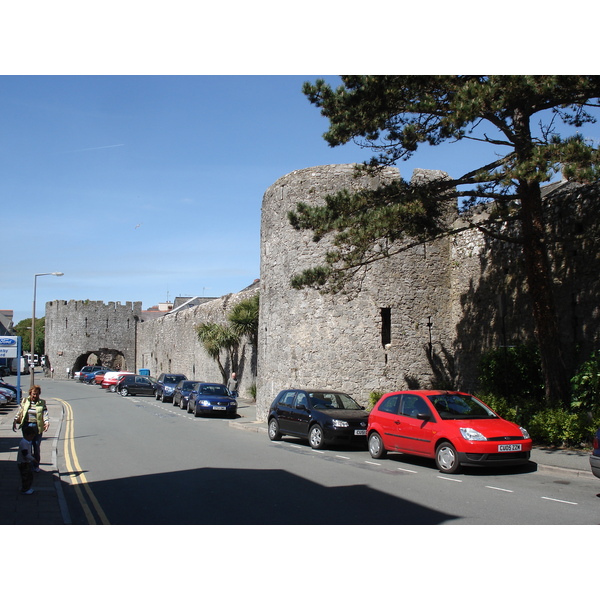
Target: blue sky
144	188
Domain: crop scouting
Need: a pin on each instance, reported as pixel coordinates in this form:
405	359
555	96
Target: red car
453	428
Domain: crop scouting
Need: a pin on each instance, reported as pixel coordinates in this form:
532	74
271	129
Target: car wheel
446	458
189	407
112	388
124	392
376	447
156	395
315	437
274	433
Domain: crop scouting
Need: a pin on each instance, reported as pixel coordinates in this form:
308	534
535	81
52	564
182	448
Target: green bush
501	405
559	427
585	386
514	372
374	398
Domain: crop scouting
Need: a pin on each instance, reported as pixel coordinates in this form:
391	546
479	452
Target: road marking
344	457
556	500
373	463
449	478
406	470
76	474
491	487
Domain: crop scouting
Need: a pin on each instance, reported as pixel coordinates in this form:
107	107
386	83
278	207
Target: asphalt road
136	461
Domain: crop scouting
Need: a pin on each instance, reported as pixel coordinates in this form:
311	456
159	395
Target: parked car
136	385
595	457
165	385
320	416
6	396
90	377
453	428
211	399
9	387
99	377
87	369
111	378
182	392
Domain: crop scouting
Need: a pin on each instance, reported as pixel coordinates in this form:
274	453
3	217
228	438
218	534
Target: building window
386	326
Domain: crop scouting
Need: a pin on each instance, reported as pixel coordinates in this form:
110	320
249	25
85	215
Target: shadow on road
251	497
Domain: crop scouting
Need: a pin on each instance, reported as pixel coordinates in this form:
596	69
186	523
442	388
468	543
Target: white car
111	379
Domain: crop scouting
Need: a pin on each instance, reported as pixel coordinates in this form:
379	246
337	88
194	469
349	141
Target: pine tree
395	115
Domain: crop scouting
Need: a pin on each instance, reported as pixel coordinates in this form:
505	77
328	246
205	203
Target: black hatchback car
320	416
136	385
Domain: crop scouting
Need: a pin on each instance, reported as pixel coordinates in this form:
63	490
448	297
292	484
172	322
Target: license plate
360	432
509	448
219	407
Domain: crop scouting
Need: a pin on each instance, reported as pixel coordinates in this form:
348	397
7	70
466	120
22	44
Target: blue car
595	457
165	386
211	399
182	392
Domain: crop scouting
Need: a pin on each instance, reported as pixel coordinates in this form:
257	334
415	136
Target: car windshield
187	385
214	390
173	379
460	406
333	401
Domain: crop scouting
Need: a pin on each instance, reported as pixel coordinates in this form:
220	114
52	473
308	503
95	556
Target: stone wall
170	344
78	329
421	318
447	302
314	340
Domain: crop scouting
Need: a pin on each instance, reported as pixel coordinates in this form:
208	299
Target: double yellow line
76	474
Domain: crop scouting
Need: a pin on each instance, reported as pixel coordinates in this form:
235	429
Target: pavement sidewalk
47	506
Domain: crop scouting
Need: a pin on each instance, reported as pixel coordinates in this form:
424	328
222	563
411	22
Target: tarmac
47	505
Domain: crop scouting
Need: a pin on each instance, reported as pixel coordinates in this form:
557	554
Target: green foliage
216	337
23	329
560	427
374	397
572	425
514	372
516	115
244	318
586	386
503	407
252	391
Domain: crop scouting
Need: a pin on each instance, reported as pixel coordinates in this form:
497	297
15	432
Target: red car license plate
509	448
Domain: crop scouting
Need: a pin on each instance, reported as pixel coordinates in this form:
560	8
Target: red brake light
595	443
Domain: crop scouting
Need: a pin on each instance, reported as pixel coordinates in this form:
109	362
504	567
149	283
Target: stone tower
83	331
388	334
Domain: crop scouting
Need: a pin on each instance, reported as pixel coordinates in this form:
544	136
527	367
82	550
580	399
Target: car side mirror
424	416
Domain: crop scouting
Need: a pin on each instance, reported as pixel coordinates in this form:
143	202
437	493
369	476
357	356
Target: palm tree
215	338
244	318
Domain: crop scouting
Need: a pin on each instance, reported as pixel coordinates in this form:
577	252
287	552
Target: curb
565	471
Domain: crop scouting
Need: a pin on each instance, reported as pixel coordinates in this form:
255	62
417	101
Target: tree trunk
539	281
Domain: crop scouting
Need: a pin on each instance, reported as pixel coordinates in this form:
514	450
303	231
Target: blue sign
8	347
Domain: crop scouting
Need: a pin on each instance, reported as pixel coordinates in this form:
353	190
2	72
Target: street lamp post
32	365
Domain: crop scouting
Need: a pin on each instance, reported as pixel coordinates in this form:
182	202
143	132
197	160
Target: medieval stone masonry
419	319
